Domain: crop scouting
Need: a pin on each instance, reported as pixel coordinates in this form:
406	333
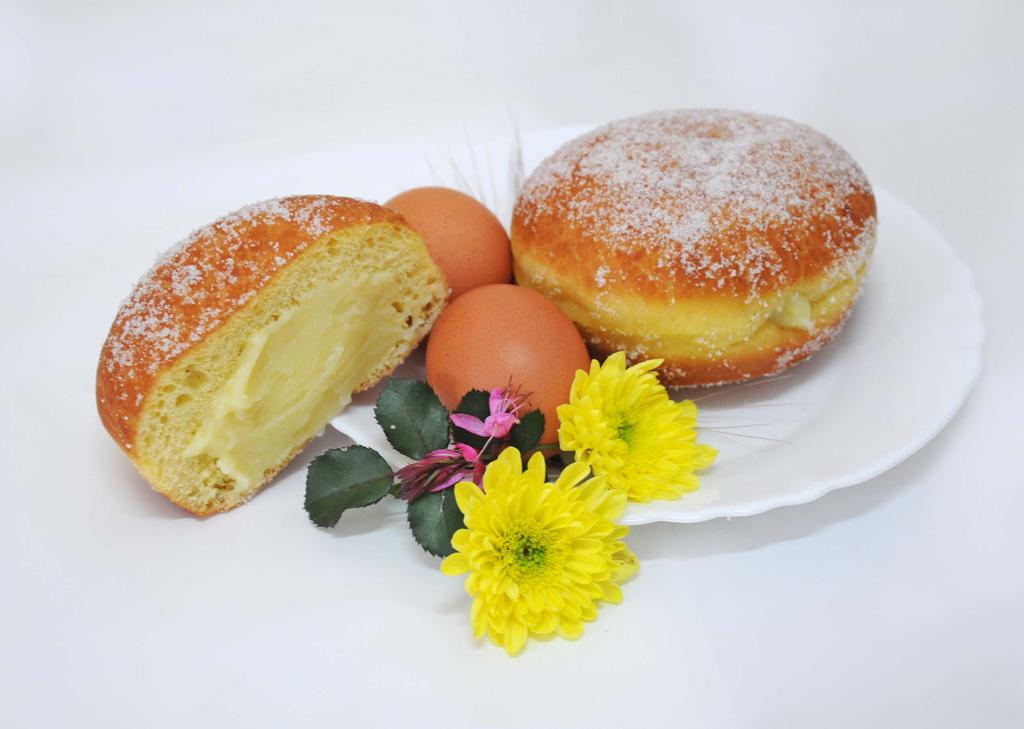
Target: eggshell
464	238
500	332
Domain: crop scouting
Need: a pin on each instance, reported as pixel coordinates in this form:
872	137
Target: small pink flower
439	470
503	405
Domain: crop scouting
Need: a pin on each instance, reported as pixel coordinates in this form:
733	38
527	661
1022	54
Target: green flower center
529	551
626	430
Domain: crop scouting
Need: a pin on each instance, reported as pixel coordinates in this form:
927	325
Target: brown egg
464	238
494	333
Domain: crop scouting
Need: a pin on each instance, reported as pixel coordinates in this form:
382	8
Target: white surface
815	429
896	603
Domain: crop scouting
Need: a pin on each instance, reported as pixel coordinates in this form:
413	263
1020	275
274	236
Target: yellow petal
587	562
613	505
515	638
495	636
546	625
534	600
536	468
511	457
687	409
626	565
455	564
705	456
465	494
572	475
461	539
612	593
647	366
616	361
570	629
579	384
478	617
511	589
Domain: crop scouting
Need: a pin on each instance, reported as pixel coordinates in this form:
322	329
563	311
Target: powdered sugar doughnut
730	244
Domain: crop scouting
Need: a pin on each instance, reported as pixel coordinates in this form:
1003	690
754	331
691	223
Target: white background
893	603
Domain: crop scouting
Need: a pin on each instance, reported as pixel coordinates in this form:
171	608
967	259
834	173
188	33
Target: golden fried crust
199	284
579	256
674	210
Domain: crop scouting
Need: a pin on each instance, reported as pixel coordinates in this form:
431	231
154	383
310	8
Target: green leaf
525	434
477	404
434	519
345	478
413	419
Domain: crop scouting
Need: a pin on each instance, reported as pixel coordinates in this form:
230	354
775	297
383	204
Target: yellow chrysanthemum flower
539	555
621	422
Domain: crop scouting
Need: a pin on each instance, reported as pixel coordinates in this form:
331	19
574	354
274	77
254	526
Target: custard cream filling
715	324
295	374
794	313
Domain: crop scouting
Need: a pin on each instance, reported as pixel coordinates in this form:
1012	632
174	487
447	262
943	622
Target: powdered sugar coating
200	282
708	199
196	273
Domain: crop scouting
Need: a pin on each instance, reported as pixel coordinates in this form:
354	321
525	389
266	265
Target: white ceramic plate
885	386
